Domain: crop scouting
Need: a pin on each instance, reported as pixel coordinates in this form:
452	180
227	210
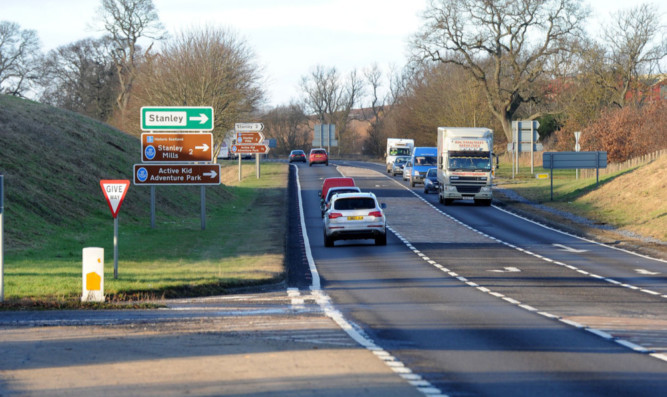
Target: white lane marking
328	308
647	291
506	270
297	301
594	331
568	249
646	272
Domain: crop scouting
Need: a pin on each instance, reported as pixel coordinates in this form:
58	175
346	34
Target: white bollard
93	275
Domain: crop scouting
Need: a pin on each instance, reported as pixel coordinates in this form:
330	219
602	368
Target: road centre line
594	331
354	332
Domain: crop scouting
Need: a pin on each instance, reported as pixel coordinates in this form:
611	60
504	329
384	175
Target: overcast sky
289	37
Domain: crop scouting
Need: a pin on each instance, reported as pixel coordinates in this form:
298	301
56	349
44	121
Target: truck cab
464	163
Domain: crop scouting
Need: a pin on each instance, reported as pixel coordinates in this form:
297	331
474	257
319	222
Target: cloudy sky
289	37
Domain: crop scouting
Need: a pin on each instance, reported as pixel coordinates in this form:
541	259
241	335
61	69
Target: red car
318	156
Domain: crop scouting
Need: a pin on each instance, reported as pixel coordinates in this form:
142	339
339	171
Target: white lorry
465	164
397	147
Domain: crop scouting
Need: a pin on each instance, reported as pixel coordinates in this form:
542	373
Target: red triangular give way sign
114	191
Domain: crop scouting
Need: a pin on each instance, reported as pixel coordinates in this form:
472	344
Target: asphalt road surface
480	302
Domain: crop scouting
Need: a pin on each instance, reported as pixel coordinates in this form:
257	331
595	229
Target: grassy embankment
54	207
633	200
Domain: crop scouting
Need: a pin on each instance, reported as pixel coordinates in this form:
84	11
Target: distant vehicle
407	169
297	155
318	156
354	216
335	182
465	164
398	164
431	181
397	147
324	202
422	159
224	152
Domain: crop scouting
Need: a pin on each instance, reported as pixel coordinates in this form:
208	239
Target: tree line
473	63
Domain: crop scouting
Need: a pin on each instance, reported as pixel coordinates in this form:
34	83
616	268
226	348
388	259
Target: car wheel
328	241
310	164
382	240
448	201
425	191
327	163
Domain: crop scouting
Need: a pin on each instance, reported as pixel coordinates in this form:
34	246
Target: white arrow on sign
202	118
568	249
212	174
204	148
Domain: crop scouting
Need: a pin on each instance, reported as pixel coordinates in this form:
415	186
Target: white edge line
329	309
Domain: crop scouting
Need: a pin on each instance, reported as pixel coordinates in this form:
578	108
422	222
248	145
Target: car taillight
334	215
376	214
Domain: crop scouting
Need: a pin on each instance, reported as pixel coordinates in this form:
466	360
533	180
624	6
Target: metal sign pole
239	155
2	248
115	247
551	166
152	207
532	146
203	208
257	164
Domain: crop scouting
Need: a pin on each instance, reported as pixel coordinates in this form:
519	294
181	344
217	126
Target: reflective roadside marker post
115	191
93	275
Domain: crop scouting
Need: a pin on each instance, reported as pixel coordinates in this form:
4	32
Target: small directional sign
239	127
242	148
173	118
186	174
252	137
175	147
114	191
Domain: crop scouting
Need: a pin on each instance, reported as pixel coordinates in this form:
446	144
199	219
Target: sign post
577	147
249	140
2	248
573	160
115	191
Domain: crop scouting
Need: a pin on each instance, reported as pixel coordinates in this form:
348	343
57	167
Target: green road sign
177	118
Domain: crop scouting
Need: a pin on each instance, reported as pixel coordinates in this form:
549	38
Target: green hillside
53	161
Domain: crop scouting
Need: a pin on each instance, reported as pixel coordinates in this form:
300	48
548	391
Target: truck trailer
397	147
465	164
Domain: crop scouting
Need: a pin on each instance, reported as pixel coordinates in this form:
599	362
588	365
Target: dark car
431	181
318	156
297	155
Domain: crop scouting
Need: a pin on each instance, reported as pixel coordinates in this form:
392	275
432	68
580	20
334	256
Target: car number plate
355	218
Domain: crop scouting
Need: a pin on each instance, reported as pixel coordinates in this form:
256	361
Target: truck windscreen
470	163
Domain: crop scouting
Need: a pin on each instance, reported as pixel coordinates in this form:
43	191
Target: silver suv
352	216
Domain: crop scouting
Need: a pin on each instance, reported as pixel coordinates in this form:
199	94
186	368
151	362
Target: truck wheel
412	184
440	200
448	201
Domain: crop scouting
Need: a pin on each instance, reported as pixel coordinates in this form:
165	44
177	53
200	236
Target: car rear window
337	191
319	152
355	203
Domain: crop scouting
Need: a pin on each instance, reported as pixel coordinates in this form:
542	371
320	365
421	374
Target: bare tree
635	43
81	77
504	45
289	126
204	67
332	99
19	58
127	21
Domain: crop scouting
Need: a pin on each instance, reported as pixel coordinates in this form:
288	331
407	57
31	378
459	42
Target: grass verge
242	245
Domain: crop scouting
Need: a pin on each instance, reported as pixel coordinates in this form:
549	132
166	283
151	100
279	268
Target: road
481	302
462	301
